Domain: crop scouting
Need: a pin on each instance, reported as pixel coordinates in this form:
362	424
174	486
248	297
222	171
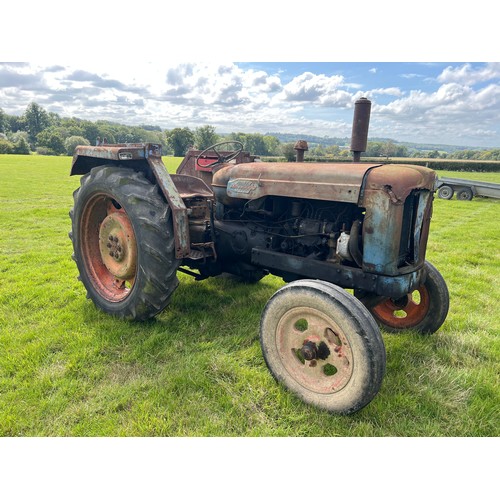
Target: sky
237	67
440	103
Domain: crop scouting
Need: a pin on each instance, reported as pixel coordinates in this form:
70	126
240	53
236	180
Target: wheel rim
464	195
314	350
109	247
406	312
445	193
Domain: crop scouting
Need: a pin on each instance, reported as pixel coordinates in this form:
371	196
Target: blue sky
440	103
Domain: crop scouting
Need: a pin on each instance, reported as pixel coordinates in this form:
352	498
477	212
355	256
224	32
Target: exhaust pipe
361	121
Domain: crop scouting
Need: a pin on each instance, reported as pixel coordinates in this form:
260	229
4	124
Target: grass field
66	369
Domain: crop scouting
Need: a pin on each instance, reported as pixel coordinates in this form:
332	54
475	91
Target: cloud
9	77
98	81
410	76
469	75
317	89
391	91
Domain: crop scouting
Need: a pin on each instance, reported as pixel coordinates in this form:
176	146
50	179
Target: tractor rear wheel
123	243
423	310
323	345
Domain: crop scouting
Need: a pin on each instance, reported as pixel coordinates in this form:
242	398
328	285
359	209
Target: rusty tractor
321	227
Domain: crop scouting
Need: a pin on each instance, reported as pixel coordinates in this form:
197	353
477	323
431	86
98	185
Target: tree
272	145
180	139
205	136
37	120
388	149
255	144
288	151
51	140
4	122
6	147
21	147
72	142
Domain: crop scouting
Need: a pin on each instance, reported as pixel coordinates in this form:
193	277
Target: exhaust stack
361	121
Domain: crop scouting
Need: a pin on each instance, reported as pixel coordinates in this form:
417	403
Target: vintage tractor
322	227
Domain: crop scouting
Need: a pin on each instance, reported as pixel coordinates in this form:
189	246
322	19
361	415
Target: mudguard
144	157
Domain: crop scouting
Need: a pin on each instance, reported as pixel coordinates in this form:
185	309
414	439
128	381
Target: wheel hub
314	354
406	312
118	246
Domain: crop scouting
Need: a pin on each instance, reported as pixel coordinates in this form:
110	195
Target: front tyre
424	310
323	345
123	243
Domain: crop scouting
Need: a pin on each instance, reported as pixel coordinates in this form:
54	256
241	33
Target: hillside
345	141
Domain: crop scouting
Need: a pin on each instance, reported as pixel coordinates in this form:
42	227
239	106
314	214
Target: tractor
322	227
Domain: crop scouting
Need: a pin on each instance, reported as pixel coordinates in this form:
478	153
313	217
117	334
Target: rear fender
147	159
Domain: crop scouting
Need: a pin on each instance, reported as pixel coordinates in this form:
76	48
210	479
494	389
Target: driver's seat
188	165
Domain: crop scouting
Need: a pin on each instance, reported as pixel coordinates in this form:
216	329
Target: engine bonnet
319	181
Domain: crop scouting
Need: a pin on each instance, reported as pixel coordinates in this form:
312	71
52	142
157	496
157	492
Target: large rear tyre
323	345
123	243
424	310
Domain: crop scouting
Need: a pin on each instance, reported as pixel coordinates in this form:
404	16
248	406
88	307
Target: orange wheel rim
406	312
109	247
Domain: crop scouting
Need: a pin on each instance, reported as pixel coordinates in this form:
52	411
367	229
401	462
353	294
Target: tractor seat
191	187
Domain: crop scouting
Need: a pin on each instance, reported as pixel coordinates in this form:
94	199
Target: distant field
66	369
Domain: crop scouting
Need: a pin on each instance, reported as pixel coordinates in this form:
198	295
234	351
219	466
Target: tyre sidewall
356	324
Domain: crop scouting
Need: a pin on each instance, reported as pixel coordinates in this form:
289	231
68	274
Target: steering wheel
220	158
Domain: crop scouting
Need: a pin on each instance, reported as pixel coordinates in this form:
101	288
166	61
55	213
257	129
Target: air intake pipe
361	121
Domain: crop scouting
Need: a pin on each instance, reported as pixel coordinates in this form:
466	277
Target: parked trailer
466	189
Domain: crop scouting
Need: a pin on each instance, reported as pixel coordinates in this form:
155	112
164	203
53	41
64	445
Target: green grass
67	369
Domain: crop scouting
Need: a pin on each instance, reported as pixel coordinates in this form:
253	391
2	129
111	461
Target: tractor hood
320	181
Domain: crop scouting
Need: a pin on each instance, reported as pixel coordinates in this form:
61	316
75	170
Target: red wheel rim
109	248
406	312
331	361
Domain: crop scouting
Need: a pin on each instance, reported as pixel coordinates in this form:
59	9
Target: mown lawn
66	369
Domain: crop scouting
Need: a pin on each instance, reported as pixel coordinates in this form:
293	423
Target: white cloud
319	89
469	75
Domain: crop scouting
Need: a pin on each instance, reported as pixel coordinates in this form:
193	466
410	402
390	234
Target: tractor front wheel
423	310
323	345
123	243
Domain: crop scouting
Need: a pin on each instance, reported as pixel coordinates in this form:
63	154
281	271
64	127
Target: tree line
46	133
42	132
